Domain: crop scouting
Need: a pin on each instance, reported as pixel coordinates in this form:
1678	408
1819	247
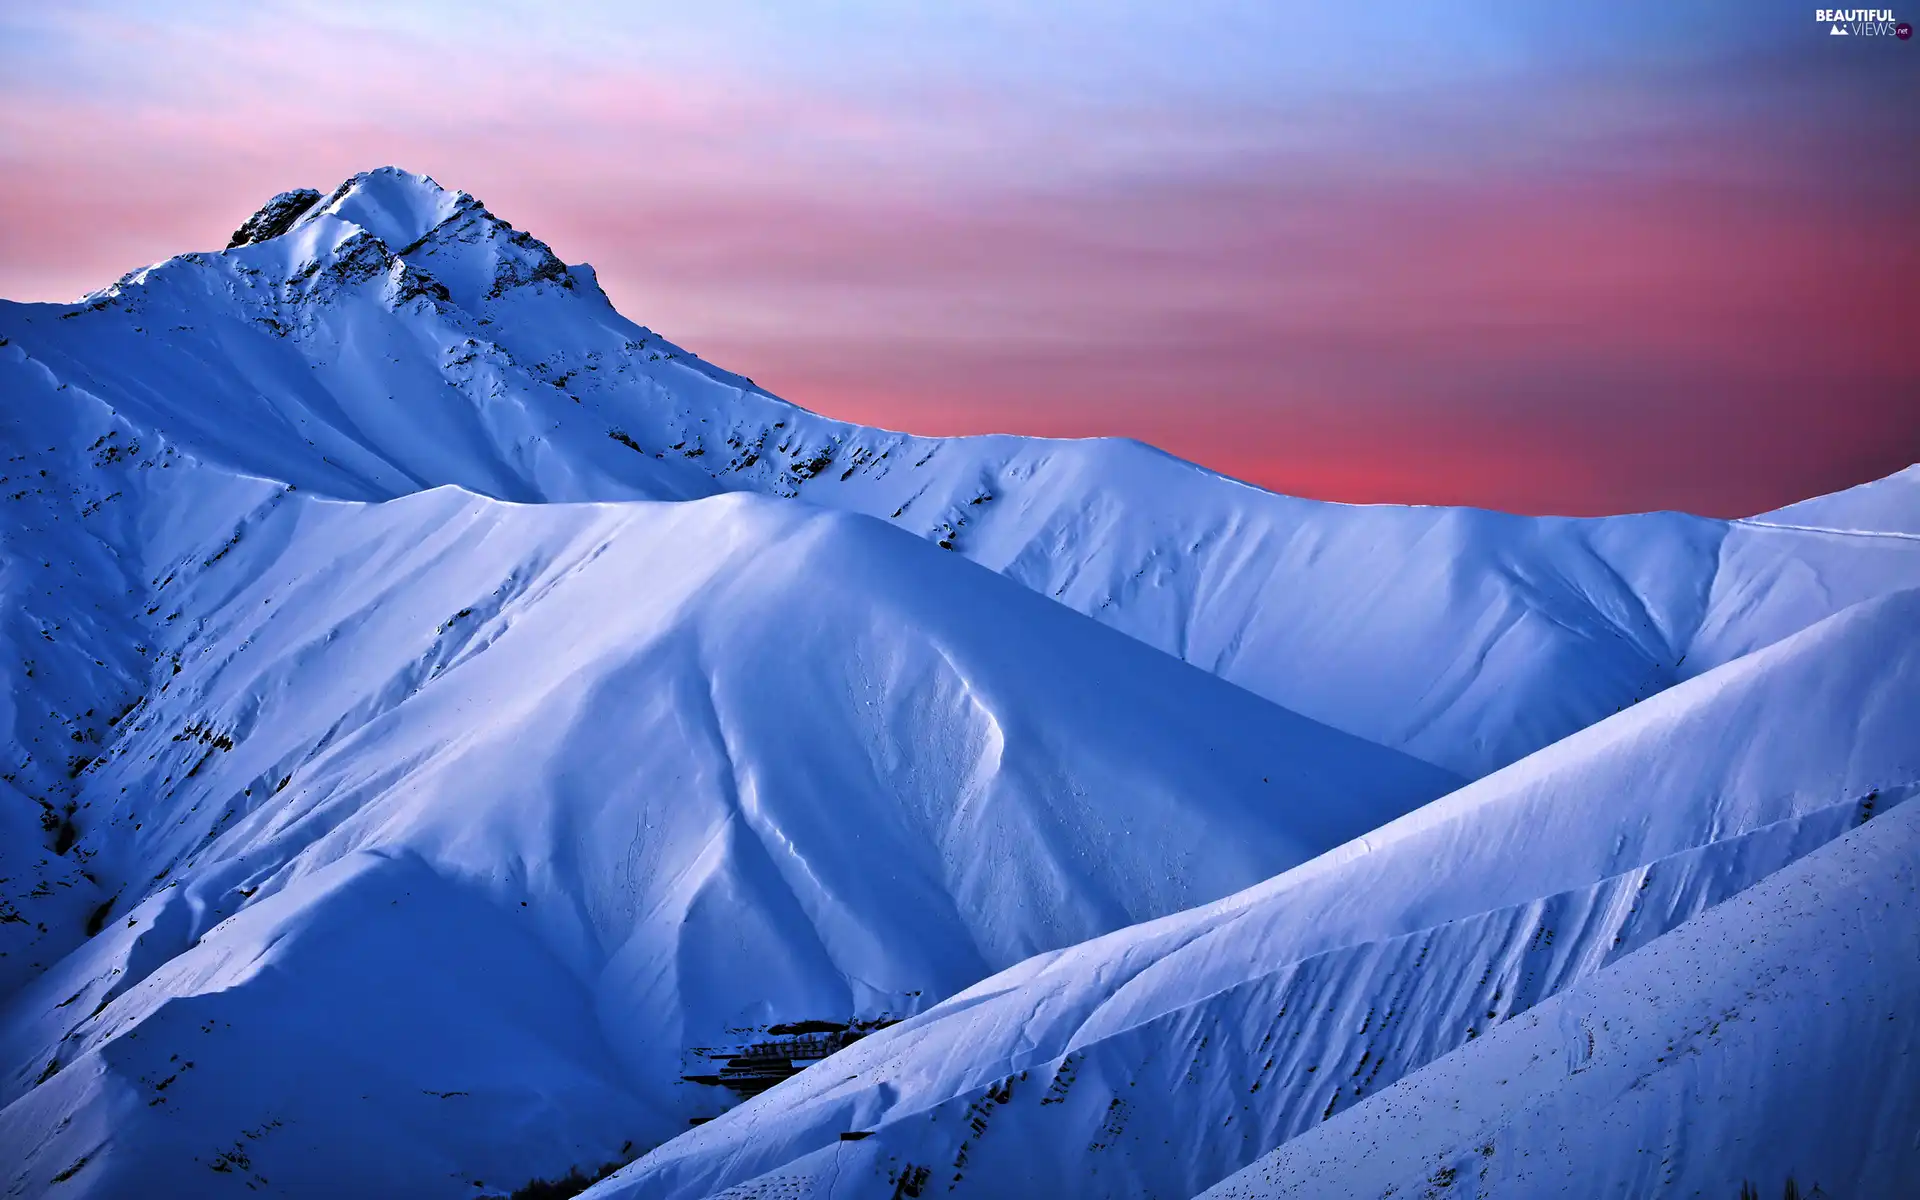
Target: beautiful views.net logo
1862	22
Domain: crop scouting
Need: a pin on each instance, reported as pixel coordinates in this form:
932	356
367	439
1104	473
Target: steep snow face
687	772
1772	1038
399	336
1157	1060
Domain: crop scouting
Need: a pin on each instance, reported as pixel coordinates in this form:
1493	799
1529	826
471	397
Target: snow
448	715
1886	506
709	766
1161	1058
1772	1038
242	1060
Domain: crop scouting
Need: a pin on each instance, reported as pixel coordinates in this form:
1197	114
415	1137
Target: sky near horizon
1569	258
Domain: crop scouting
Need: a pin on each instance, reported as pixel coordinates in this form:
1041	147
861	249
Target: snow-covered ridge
1884	507
330	358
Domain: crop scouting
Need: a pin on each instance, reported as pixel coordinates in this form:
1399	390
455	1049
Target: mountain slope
395	335
1157	1060
1772	1038
684	773
96	520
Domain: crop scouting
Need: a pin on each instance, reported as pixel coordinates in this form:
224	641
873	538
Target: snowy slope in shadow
1157	1060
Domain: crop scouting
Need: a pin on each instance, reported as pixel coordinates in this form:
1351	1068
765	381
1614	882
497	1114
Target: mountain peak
396	206
392	204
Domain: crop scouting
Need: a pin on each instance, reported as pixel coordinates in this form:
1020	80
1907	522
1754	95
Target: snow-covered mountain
684	772
1159	1059
688	772
458	735
395	336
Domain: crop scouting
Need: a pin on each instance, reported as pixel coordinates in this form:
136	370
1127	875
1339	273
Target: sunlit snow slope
1157	1060
1772	1039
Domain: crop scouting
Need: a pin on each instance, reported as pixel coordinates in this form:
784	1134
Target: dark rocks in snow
356	260
275	217
757	1066
572	1183
409	282
535	263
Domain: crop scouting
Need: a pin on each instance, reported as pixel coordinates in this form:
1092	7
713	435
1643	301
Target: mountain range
460	738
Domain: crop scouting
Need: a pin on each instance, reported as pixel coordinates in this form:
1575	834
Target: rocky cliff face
274	218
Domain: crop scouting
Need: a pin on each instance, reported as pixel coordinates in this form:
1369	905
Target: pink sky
1616	282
